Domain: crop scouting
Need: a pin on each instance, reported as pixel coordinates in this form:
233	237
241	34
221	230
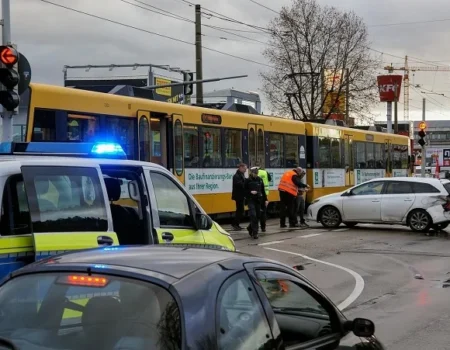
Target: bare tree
308	42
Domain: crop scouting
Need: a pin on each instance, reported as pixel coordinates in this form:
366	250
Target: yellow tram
203	147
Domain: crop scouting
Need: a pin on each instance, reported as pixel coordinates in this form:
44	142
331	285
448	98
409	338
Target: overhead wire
264	6
154	33
407	23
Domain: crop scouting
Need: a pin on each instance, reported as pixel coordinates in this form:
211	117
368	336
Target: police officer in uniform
288	188
256	198
266	178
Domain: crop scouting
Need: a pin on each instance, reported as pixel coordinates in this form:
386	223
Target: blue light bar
108	150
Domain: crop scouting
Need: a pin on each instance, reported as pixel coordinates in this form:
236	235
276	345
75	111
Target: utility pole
7	116
424	151
198	53
347	94
396	110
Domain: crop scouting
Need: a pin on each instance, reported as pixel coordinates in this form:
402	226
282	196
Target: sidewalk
273	227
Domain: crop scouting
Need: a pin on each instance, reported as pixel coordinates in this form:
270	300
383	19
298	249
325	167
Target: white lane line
270	243
341	230
310	235
359	281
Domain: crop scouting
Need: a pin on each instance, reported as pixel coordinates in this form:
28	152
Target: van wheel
419	221
350	224
330	217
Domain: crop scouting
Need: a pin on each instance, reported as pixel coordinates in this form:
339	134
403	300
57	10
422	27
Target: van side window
172	202
15	214
65	199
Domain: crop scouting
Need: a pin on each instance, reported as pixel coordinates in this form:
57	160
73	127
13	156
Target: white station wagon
411	201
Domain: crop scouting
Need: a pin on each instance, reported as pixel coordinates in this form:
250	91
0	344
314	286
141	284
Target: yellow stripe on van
57	241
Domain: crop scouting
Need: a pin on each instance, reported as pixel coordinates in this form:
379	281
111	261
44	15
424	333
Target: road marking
359	281
270	243
341	230
310	235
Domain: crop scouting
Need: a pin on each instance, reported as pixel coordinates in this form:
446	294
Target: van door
68	208
173	213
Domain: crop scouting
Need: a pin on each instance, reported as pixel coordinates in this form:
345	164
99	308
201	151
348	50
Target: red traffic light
422	125
8	55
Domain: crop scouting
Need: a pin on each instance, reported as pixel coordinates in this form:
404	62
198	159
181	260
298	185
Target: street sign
24	73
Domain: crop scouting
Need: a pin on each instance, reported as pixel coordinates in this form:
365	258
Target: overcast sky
52	37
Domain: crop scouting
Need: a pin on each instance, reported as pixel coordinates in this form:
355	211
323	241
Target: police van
57	197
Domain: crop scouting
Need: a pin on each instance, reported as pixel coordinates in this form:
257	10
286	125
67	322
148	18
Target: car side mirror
204	222
346	194
361	327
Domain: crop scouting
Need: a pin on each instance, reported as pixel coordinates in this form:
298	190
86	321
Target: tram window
212	148
260	154
191	140
155	127
370	155
82	127
336	159
324	152
379	156
276	151
291	150
233	148
252	147
404	156
396	157
360	152
178	148
44	126
122	130
144	139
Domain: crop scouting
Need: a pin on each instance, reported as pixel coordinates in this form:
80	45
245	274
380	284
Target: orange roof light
422	125
82	280
8	55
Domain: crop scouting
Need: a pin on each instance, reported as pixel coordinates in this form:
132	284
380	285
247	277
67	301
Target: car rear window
447	187
77	311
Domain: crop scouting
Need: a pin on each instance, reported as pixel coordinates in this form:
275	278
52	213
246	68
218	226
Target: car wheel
330	217
350	224
439	227
419	221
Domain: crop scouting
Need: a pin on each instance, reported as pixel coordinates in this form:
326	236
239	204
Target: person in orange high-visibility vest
288	188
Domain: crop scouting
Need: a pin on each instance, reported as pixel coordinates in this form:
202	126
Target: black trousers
300	205
240	210
254	211
287	208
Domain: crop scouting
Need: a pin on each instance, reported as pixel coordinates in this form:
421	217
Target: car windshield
77	311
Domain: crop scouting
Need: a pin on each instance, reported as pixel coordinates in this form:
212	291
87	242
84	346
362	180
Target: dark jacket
255	184
296	179
238	192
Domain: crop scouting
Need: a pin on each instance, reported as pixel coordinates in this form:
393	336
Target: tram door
152	137
348	161
256	152
388	158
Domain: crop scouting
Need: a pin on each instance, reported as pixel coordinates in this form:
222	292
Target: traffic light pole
7	116
424	150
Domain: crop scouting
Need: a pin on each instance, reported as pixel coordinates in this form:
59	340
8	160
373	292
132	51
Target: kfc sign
387	86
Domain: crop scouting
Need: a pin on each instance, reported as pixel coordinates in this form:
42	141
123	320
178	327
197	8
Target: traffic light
422	134
188	89
9	78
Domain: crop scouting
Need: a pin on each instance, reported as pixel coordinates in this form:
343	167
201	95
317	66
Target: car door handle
408	200
104	240
375	201
167	236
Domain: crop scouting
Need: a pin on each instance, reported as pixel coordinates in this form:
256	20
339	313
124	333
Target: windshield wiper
4	342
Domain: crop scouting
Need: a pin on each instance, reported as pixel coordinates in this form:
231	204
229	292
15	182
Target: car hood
333	195
350	341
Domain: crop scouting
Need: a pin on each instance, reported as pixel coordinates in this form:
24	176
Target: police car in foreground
51	203
169	297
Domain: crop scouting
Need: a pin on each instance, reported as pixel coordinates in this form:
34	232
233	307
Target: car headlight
315	201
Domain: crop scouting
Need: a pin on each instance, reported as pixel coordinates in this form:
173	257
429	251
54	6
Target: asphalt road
388	274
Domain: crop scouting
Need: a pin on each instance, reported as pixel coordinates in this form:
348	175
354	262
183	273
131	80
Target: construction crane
406	69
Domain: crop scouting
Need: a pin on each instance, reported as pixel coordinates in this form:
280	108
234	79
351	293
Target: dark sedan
169	297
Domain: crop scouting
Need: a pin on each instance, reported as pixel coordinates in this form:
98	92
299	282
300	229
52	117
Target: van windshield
77	311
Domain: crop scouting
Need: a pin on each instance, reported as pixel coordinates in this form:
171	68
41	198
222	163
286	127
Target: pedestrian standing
300	202
266	178
256	198
288	189
238	195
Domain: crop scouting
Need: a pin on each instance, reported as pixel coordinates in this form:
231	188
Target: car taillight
87	281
